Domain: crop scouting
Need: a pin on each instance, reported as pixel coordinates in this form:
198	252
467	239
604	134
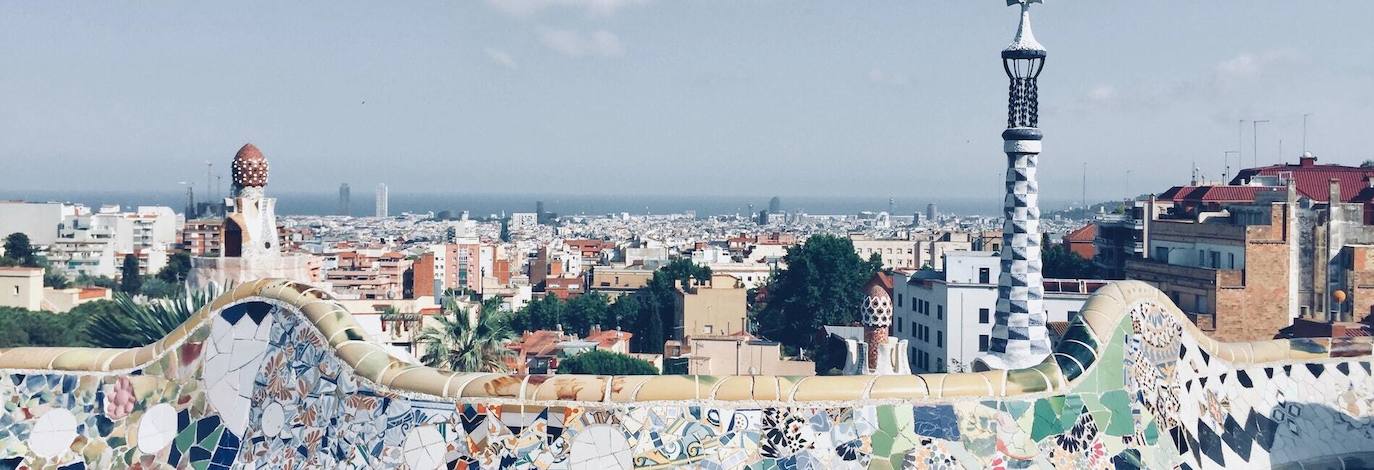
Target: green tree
87	280
20	327
130	281
458	344
822	285
177	268
542	314
155	287
624	312
140	322
55	279
18	248
1059	262
600	362
649	331
585	311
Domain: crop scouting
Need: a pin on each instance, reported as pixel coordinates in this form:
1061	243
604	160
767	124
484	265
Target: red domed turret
249	168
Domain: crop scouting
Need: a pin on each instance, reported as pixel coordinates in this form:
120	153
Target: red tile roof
1230	193
1085	233
1313	181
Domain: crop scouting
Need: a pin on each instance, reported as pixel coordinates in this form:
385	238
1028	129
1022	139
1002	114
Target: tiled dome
250	167
877	308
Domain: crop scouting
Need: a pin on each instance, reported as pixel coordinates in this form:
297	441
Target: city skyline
509	91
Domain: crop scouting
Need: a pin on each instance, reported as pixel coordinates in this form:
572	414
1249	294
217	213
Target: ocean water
479	205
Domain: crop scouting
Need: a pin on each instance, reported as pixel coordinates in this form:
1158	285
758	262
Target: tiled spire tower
1019	337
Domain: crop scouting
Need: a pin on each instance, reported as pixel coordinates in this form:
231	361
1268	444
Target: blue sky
871	98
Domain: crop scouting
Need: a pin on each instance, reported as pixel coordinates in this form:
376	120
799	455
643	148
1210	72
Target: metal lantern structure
1020	337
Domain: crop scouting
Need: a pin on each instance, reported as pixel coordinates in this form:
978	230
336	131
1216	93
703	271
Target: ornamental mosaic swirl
257	384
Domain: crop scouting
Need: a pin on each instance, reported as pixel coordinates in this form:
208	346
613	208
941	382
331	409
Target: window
1201	257
899	299
984	276
982	343
983	316
1162	254
939	312
899	325
1216	260
913	328
1230	261
939	339
16	290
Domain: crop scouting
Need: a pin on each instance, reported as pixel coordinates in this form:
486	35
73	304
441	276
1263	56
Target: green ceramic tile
1068	414
1122	423
1151	433
1016	408
212	440
1046	419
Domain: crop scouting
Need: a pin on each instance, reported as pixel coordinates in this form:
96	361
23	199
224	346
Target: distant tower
1019	337
345	200
775	204
891	206
931	212
382	204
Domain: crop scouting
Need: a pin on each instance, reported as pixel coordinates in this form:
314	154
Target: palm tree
140	322
463	342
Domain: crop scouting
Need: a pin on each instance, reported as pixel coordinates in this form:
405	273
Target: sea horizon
484	204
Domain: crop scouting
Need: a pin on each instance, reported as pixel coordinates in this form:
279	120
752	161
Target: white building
523	221
947	316
383	205
896	254
37	220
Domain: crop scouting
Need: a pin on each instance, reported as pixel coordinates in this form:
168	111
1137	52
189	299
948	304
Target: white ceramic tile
157	428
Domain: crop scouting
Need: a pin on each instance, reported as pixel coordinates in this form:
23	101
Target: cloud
524	8
877	75
1236	80
1102	93
502	58
600	43
1248	66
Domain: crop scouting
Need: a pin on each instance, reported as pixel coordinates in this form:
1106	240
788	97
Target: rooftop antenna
1226	158
209	171
1085	186
1240	143
1254	135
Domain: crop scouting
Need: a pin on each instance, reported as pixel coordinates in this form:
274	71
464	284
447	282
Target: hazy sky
735	97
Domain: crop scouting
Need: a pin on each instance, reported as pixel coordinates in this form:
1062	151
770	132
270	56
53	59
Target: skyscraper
931	212
345	200
1019	336
381	200
775	205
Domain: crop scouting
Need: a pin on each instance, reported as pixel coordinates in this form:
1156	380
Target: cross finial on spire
1023	3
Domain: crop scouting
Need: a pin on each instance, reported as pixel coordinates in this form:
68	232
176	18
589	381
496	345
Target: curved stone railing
276	374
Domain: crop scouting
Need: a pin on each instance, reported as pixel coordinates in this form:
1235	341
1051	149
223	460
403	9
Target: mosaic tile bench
276	375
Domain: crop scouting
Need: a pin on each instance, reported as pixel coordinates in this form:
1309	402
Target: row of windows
921	361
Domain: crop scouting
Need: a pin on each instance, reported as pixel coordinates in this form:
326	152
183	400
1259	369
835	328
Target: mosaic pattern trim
268	378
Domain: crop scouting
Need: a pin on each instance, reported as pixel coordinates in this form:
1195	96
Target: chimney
1307	160
1335	195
